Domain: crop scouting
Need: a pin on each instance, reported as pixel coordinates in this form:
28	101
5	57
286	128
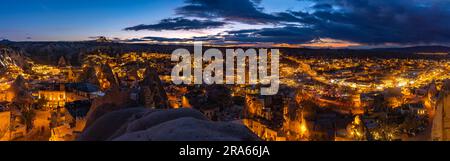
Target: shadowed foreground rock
141	124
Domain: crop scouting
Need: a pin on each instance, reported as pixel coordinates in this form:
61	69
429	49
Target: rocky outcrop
89	76
143	124
115	99
102	39
100	75
49	52
108	75
12	57
62	62
152	93
19	84
19	88
107	125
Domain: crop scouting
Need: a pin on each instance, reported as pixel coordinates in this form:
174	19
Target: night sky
330	23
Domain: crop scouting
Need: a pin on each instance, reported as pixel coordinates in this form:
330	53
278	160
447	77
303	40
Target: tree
28	116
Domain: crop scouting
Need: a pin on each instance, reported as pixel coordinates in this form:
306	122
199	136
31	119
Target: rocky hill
151	95
50	52
12	57
143	124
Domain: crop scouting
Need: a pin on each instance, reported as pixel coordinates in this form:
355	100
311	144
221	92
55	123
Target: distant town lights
213	73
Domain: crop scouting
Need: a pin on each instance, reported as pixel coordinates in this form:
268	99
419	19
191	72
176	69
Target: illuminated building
6	96
85	90
54	98
356	129
72	74
263	131
185	102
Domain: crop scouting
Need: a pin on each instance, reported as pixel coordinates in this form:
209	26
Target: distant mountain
417	49
102	39
50	52
4	41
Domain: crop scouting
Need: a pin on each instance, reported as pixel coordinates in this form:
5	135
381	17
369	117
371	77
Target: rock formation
20	90
114	99
143	124
109	76
11	57
89	76
62	62
152	93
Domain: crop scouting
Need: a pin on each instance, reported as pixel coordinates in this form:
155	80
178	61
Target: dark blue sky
282	22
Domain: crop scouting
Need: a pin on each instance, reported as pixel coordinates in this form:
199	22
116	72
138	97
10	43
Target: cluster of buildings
38	102
358	99
319	98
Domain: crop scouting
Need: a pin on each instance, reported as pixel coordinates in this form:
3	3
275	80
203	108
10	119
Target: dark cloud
179	24
212	38
164	39
245	11
377	22
292	35
322	6
365	21
370	22
288	34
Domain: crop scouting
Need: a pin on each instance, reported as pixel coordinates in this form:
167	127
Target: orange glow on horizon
321	43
